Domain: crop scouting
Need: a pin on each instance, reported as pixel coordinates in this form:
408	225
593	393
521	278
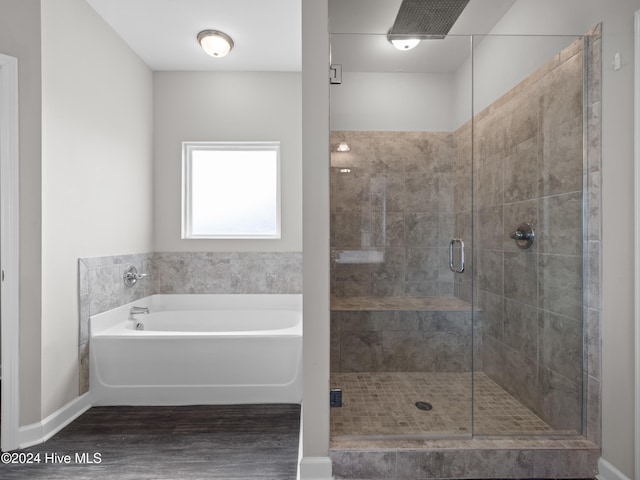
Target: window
230	190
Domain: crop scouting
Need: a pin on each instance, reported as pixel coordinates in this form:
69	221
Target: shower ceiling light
215	43
403	43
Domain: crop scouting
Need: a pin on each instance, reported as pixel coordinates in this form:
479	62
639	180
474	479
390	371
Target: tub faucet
137	311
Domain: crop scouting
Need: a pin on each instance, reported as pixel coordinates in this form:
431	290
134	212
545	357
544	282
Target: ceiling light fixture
215	43
403	42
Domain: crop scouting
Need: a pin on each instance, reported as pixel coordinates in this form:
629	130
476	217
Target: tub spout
138	311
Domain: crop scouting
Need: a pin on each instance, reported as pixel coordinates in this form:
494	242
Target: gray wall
412	101
315	132
97	154
225	106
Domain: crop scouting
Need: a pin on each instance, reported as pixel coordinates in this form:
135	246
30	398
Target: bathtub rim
100	323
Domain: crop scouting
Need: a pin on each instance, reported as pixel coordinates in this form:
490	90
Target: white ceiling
359	42
267	33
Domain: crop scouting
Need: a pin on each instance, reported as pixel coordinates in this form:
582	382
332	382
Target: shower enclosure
459	199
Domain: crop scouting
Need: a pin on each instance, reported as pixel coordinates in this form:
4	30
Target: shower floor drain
424	405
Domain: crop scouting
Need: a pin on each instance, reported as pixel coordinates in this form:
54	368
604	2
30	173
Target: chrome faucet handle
524	235
131	276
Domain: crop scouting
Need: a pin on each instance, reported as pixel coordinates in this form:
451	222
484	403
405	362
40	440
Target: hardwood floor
191	442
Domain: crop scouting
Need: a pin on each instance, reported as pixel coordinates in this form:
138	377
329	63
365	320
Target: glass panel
528	179
430	150
401	323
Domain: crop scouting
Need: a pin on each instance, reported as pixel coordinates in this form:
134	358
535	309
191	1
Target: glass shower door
401	209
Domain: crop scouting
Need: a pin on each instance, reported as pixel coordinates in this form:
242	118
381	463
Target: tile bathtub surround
102	288
228	272
101	285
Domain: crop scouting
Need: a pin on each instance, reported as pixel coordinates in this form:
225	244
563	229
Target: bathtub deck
187	442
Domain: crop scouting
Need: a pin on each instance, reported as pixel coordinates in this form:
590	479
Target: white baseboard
42	431
315	468
606	471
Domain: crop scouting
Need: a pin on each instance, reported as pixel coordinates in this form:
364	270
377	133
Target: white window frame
188	148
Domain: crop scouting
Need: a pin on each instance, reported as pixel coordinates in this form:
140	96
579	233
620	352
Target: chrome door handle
460	267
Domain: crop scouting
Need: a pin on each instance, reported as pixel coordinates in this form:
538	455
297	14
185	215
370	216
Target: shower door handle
460	267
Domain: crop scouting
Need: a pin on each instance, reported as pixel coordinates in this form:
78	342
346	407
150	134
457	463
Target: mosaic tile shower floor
383	403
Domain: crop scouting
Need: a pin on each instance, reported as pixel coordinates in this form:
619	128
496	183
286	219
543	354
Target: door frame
9	252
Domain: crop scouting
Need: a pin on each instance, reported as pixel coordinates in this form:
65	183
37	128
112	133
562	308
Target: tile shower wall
528	167
391	214
101	285
401	341
592	236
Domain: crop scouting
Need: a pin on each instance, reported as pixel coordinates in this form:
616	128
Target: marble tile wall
592	237
102	288
461	460
101	285
528	160
392	193
227	272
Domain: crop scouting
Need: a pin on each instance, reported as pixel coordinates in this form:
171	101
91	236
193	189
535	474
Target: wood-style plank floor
186	442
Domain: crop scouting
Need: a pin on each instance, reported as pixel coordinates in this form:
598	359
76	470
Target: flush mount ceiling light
215	43
403	42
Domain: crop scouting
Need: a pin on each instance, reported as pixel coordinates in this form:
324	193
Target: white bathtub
199	349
